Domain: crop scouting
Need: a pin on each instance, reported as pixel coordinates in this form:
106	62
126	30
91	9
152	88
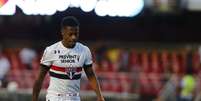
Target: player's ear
62	33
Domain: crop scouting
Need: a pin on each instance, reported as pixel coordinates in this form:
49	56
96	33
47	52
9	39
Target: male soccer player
65	60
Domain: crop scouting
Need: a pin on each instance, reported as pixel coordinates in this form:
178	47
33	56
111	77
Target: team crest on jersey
70	72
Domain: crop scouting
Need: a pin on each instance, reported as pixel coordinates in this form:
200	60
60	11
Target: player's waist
63	94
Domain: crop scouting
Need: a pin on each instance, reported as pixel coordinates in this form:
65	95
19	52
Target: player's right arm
44	68
39	81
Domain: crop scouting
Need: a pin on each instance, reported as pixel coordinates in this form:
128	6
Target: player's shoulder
53	46
82	46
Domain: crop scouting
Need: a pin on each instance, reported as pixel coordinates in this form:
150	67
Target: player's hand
101	99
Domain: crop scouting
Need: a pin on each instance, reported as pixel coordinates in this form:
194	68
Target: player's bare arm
94	82
39	81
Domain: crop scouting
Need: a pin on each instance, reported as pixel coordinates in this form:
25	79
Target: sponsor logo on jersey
69	58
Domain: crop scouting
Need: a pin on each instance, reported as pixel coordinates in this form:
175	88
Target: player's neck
65	44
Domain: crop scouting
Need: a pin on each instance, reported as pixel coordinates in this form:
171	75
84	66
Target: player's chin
72	44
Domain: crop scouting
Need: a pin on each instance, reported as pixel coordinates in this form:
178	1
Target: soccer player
65	61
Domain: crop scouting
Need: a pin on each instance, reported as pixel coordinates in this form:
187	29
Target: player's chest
69	58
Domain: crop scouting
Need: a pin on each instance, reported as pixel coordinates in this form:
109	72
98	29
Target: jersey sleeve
88	58
46	58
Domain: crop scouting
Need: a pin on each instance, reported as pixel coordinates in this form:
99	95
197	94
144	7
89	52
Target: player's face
70	35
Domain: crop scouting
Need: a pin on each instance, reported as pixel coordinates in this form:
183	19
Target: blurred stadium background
138	55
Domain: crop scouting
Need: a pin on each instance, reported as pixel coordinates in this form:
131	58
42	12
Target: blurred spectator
188	84
124	59
114	57
189	58
134	61
100	52
188	81
170	90
168	93
180	88
198	85
27	55
4	69
100	56
196	62
197	69
165	64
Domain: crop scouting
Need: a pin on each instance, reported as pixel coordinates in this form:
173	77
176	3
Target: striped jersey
66	66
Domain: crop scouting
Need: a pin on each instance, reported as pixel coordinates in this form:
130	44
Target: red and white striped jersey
66	66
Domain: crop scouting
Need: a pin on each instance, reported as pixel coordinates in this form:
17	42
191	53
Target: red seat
145	65
133	61
145	87
125	81
155	62
165	60
196	61
175	63
155	82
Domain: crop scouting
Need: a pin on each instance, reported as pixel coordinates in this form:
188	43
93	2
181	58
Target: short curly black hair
69	21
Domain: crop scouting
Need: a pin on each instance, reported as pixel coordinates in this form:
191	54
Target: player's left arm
93	81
